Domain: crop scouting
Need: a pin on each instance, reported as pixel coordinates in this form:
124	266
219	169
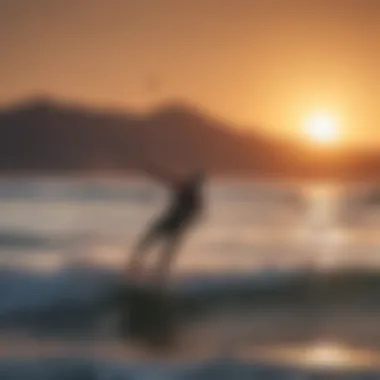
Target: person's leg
167	257
142	247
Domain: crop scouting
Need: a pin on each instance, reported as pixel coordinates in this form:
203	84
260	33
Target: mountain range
44	136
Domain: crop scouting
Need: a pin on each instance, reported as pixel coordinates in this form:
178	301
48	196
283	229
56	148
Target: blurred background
276	100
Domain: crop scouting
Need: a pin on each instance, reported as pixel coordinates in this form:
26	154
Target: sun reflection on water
325	355
328	354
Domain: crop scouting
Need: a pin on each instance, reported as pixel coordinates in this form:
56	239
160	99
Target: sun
321	128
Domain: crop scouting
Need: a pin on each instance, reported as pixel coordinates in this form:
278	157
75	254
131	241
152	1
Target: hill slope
41	135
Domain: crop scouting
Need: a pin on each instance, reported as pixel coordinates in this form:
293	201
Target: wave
215	369
18	239
53	302
80	190
78	298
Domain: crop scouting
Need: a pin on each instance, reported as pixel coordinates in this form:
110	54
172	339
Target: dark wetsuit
186	204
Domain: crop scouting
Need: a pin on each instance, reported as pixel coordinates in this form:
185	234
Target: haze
262	63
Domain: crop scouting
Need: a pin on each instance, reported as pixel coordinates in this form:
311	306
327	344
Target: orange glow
126	55
322	129
325	355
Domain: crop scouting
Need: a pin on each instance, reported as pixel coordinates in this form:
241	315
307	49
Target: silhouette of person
185	207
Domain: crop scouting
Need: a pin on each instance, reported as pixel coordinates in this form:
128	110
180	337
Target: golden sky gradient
254	62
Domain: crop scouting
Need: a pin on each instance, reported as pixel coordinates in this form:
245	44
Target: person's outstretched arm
162	176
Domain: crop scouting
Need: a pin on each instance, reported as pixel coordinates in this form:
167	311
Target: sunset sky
271	63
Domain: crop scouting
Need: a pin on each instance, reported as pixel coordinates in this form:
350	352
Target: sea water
64	242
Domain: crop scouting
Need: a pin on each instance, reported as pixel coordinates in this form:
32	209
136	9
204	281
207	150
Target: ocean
279	281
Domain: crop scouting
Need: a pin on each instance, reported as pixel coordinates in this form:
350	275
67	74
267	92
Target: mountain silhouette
40	135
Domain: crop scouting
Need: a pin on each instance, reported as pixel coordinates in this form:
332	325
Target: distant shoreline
136	174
